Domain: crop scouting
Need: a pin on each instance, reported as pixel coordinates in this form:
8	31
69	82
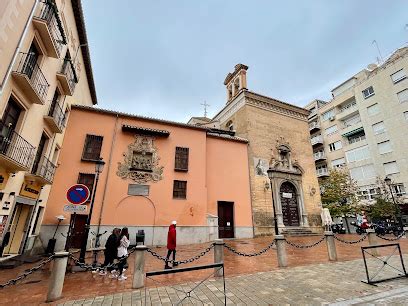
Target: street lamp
388	182
98	170
275	220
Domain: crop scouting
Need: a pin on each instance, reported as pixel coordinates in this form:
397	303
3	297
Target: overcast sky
164	58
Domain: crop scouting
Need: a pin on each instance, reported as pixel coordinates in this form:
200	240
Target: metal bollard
218	254
56	282
281	251
139	273
331	245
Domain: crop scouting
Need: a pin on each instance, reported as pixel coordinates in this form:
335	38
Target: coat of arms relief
141	163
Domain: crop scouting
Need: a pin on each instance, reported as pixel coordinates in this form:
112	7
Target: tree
339	194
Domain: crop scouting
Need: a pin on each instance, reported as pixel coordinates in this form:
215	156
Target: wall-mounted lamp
267	186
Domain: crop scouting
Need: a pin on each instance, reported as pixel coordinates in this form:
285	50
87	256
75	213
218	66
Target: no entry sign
78	194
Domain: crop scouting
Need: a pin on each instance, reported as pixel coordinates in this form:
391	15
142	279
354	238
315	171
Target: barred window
92	147
181	159
87	179
180	190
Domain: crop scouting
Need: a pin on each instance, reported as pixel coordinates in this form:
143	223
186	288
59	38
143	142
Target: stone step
298	231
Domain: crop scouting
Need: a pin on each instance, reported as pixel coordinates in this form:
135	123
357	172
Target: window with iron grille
181	160
87	179
92	147
180	190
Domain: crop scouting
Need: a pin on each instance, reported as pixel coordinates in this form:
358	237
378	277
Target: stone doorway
290	210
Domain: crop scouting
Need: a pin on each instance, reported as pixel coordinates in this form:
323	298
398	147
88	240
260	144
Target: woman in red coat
171	245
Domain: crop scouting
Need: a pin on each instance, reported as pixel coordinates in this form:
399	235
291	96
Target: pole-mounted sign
78	194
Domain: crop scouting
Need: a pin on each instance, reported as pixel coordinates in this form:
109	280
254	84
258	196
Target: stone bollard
372	240
218	255
281	251
56	282
331	245
405	228
139	273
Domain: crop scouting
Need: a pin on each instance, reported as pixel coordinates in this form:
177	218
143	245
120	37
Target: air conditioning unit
331	118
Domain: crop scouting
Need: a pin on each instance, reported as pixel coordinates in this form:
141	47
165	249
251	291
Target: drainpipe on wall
20	42
107	179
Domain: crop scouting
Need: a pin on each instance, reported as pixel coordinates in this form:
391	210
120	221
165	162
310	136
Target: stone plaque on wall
138	190
261	166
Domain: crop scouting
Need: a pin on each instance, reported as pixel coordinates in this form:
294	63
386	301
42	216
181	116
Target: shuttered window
398	76
403	96
180	189
181	159
87	179
92	147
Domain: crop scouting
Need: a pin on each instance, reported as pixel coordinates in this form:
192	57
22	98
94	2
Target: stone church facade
278	135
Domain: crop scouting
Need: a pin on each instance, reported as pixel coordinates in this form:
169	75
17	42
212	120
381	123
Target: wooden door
18	228
289	204
225	219
77	234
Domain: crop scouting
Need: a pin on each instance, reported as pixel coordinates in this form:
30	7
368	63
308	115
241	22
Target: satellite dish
371	67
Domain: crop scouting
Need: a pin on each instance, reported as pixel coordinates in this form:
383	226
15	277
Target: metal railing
346	107
45	169
322	171
317	139
15	147
58	115
314	125
68	70
48	14
27	65
356	139
319	155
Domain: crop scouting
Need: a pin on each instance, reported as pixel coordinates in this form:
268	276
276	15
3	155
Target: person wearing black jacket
111	250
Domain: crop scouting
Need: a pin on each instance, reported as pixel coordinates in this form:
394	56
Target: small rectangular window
180	189
335	146
327	115
391	168
379	128
373	109
338	163
384	147
92	147
358	154
181	159
398	76
87	179
331	130
368	92
403	96
398	189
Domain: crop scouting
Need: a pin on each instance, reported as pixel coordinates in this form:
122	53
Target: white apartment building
363	127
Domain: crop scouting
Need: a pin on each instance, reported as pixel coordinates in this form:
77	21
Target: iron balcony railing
45	168
319	155
58	115
356	139
316	140
68	70
15	147
49	14
322	171
347	106
314	125
28	66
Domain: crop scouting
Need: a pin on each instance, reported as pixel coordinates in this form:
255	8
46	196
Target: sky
163	59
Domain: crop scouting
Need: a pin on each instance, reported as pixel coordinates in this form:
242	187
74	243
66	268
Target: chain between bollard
351	242
158	256
391	239
306	246
231	249
27	273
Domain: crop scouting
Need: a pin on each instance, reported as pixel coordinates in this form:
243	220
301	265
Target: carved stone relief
141	161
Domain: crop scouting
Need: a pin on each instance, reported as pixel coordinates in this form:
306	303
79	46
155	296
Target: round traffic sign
78	194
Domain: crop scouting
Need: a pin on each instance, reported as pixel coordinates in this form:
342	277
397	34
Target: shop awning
355	131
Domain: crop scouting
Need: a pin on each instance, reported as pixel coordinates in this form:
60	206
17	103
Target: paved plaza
310	277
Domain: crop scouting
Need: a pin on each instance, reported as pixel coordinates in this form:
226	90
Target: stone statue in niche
284	161
141	161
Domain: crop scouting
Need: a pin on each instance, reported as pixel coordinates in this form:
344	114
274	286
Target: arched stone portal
289	203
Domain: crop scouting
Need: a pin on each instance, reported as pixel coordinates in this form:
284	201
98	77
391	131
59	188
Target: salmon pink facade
156	171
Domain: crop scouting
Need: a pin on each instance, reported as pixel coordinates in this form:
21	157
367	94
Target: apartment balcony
49	27
312	114
316	140
347	111
67	77
55	118
42	171
314	126
352	129
319	156
322	172
30	78
16	153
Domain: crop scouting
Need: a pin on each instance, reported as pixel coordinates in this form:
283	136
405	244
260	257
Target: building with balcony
39	80
362	127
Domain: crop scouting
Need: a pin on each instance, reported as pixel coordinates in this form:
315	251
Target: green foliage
339	193
381	208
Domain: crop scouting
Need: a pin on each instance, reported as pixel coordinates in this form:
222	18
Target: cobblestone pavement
80	285
330	283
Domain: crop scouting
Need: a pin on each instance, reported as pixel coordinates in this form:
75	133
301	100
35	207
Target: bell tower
236	81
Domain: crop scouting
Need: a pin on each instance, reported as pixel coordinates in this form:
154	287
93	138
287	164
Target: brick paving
88	285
